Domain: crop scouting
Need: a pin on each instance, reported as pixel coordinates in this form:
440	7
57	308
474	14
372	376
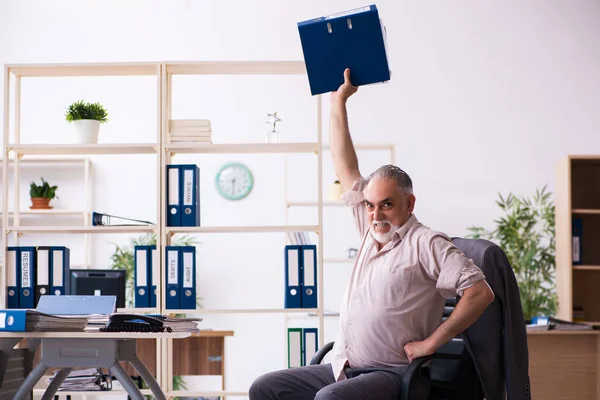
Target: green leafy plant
83	110
525	232
42	191
123	258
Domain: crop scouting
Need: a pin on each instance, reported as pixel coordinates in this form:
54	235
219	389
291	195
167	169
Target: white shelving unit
171	149
22	154
82	213
163	150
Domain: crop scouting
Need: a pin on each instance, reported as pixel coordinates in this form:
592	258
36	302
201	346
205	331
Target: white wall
485	98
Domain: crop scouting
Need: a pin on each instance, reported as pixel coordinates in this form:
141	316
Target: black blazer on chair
497	341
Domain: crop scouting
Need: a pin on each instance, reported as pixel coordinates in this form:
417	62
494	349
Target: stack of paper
91	379
182	324
35	321
190	130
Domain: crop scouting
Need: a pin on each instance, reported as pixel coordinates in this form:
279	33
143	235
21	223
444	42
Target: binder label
172	277
2	320
11	264
43	263
25	270
188	184
173	186
349	12
57	268
188	264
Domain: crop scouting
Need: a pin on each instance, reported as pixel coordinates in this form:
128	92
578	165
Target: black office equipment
134	323
96	282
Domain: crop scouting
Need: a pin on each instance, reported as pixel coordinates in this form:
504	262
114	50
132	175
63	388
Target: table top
94	335
565	333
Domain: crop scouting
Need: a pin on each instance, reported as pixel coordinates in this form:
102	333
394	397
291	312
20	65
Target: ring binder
101	219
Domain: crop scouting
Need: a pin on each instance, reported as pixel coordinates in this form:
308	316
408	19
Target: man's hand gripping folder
354	39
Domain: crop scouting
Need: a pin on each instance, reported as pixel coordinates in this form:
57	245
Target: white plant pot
86	131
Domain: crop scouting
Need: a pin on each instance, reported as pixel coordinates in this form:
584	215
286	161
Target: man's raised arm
344	157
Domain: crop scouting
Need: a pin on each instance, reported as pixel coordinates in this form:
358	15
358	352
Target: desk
564	365
68	350
202	353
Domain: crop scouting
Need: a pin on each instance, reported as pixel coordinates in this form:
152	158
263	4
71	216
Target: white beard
381	237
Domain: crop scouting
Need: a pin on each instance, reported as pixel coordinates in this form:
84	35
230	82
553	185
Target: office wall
485	98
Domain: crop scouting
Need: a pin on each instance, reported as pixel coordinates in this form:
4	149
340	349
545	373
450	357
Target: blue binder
188	277
60	270
293	276
154	274
352	39
173	196
26	266
142	259
189	194
13	320
577	226
309	275
310	344
172	270
12	277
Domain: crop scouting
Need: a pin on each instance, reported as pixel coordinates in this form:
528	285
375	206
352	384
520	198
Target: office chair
448	374
487	361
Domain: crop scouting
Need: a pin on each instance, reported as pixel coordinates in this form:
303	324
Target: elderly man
394	302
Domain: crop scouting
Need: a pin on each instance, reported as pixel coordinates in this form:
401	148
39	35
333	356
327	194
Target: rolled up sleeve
355	200
447	265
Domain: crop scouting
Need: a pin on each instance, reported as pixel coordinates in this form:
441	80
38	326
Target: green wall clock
234	181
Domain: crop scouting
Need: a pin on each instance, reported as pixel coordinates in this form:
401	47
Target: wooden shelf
239	229
46	160
367	146
62	149
48	212
196	393
82	229
339	260
100	69
326	203
138	310
236	68
586	211
244	148
586	268
120	392
243	311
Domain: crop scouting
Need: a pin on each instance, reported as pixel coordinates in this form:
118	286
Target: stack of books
190	130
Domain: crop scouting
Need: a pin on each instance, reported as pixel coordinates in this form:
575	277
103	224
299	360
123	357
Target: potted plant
526	234
41	195
86	117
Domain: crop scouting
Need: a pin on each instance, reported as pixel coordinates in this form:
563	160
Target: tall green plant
525	232
123	258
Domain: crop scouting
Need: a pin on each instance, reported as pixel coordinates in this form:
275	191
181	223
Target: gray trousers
317	382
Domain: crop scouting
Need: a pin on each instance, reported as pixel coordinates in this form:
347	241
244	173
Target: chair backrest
497	341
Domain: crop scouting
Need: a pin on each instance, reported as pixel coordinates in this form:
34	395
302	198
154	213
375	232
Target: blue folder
352	39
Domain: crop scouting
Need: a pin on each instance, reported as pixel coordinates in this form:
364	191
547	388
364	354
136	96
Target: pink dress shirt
396	295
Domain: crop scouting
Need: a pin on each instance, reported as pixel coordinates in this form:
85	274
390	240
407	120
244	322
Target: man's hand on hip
415	350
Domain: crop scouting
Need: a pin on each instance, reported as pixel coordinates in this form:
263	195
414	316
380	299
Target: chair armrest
413	372
319	355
